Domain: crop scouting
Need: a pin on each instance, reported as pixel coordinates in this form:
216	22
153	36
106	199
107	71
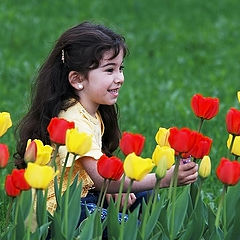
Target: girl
80	81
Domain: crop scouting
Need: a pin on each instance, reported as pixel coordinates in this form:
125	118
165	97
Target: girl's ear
75	79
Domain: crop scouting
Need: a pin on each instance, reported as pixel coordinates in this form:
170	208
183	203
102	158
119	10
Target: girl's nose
119	78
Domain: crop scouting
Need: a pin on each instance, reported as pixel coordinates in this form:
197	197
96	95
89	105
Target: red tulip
10	188
201	147
57	129
4	155
110	167
19	180
228	172
233	121
182	140
205	107
131	142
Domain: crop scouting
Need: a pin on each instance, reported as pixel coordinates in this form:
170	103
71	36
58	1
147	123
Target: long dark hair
83	47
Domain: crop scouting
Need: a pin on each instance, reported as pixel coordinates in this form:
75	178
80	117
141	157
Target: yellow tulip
43	152
136	167
161	168
162	153
5	122
236	144
205	167
39	176
238	95
162	137
78	143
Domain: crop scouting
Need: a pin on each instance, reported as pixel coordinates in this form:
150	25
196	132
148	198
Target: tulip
4	155
78	143
238	95
161	168
43	152
136	168
201	147
130	143
233	121
228	172
38	176
57	129
11	189
164	152
5	122
205	107
235	146
18	179
110	167
182	140
205	167
162	137
31	152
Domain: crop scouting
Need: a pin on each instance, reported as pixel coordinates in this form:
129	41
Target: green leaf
216	235
232	203
181	206
130	226
196	224
113	225
25	202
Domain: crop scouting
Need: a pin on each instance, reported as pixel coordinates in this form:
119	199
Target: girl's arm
187	174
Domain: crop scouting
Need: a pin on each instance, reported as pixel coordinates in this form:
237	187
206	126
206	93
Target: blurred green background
177	49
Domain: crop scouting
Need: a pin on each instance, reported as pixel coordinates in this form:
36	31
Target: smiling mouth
114	92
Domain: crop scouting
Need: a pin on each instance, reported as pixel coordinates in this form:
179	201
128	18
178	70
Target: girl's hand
131	199
187	173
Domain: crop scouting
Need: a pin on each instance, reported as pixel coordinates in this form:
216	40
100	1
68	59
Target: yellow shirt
84	122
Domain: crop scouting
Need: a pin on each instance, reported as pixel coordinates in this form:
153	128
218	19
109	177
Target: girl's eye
121	68
109	70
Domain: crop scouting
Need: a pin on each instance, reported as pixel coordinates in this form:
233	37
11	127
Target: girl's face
103	83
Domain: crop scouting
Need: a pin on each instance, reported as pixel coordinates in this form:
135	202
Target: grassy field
177	49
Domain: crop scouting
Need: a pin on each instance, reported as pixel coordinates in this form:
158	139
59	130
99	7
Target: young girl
80	81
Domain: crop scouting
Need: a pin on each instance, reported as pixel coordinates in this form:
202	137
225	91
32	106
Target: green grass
177	49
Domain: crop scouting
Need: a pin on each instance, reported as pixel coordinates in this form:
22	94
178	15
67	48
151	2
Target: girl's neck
92	110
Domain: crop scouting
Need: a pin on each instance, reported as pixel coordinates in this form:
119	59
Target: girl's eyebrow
110	64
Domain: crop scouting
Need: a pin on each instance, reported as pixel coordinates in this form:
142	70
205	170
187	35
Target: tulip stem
53	163
220	206
62	173
120	192
101	193
9	211
31	215
67	195
125	209
200	124
175	177
199	192
107	181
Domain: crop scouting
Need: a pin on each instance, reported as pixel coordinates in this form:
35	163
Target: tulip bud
235	146
205	107
18	179
4	155
233	121
238	95
5	122
57	130
164	152
31	152
205	167
10	188
162	137
136	167
38	176
161	168
78	143
131	142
